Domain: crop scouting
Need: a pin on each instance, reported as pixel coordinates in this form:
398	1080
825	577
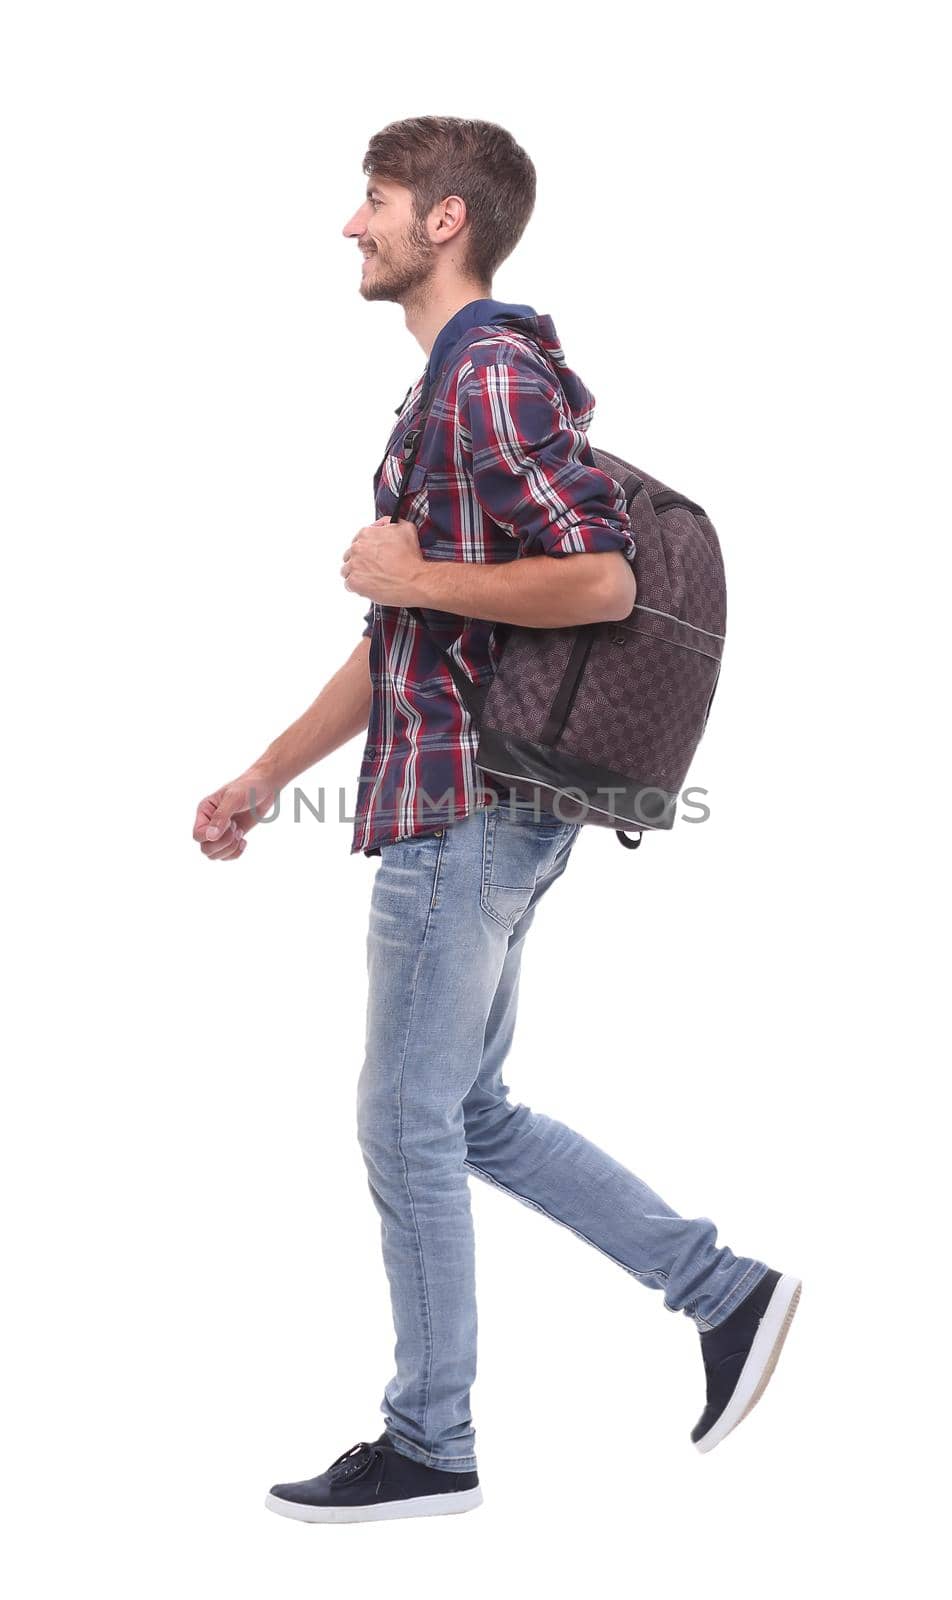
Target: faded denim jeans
449	916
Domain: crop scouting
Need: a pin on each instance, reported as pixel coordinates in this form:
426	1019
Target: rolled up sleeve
530	472
369	620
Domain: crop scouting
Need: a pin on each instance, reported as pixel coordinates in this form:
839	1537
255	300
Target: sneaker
372	1482
740	1355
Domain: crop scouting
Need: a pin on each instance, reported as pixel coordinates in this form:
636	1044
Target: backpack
598	723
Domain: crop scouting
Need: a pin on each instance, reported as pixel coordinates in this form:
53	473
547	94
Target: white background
737	234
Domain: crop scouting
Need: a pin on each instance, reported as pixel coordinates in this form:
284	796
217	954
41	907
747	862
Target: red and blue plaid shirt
504	470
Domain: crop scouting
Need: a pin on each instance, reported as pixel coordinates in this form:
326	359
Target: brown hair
437	156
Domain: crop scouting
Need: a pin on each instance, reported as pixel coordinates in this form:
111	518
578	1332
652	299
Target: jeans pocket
515	853
409	874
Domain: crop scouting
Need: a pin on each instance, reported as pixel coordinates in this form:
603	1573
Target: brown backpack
599	723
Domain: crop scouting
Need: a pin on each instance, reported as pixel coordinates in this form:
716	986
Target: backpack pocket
640	705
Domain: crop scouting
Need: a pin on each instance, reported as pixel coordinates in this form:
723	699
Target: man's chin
376	291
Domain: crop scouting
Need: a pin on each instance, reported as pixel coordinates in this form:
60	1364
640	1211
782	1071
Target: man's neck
425	320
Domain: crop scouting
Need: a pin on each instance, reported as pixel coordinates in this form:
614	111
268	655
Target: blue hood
481	316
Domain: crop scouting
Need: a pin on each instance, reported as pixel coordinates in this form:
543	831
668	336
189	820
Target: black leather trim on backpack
571	678
571	788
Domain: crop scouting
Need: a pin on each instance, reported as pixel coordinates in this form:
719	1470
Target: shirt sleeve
533	470
369	620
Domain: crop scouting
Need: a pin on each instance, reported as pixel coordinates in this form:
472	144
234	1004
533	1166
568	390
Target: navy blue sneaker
741	1353
373	1482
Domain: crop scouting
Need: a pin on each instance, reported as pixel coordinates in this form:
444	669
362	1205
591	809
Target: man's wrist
430	585
267	769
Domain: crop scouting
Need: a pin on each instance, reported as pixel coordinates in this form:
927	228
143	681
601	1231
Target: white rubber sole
758	1368
425	1505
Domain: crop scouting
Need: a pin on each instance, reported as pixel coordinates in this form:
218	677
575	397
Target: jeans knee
376	1109
395	1125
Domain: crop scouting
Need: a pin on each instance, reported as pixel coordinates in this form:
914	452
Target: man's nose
353	228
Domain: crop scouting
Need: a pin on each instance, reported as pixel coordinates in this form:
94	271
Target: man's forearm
339	713
534	591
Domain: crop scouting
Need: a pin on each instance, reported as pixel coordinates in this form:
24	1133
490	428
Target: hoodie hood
486	319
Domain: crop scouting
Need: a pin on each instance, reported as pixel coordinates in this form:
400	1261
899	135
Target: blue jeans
448	918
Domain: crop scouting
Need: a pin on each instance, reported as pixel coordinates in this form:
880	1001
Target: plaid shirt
504	470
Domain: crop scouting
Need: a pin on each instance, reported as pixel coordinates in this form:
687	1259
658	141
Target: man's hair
438	156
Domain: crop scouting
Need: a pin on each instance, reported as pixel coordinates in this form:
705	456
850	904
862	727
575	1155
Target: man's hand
223	818
385	563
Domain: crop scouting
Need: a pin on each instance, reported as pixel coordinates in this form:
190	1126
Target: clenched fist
225	817
385	563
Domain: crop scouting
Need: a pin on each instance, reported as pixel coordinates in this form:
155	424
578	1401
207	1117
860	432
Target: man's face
396	254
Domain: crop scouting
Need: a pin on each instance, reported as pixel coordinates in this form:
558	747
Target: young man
506	520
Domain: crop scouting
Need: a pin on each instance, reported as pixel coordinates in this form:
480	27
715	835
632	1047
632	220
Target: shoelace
353	1463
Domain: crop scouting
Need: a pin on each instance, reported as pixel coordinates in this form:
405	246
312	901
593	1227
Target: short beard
407	281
